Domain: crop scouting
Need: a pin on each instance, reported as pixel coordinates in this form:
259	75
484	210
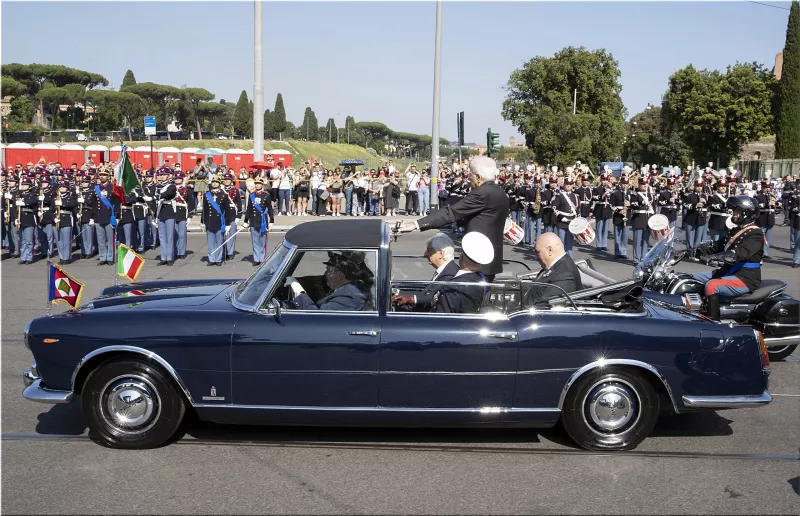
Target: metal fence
761	168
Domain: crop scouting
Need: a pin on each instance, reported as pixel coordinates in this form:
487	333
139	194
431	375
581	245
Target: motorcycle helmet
744	210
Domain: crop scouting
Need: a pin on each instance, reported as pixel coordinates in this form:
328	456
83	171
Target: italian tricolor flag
128	262
125	178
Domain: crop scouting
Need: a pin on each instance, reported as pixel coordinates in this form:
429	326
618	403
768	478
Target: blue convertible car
604	362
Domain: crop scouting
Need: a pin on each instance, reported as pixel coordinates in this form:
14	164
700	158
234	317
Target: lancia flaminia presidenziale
603	361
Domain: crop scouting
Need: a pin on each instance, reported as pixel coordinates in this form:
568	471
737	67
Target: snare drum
582	231
659	227
512	233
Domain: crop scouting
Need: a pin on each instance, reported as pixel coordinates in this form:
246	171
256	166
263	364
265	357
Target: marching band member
46	213
216	215
105	217
601	197
27	205
584	193
182	218
165	192
548	195
670	203
641	204
718	214
10	220
258	207
565	206
151	221
533	211
695	220
66	203
619	205
766	215
140	210
236	204
793	200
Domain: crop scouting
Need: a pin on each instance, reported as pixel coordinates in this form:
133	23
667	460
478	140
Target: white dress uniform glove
7	195
58	203
292	283
41	197
20	203
203	228
147	198
91	222
245	225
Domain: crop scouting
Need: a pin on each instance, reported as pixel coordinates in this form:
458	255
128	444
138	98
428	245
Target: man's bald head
549	248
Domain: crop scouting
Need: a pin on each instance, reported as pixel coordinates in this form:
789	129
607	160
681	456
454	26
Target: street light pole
437	74
258	85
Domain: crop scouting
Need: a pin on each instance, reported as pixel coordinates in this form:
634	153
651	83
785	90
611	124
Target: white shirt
412	179
440	269
315	179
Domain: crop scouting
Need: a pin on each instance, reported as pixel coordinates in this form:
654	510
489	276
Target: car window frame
256	307
266	307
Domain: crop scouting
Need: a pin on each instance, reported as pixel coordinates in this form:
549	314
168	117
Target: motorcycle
768	309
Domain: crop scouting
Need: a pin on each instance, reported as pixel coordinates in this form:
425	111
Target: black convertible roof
345	234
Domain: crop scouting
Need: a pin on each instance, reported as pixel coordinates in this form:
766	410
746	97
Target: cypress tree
242	116
787	137
279	116
128	80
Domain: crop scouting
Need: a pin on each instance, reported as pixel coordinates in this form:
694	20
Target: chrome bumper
35	391
727	402
779	342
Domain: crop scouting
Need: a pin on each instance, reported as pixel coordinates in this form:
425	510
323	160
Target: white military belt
719	214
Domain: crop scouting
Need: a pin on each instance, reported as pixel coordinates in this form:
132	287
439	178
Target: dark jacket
102	214
485	210
748	251
641	209
165	193
69	203
564	273
669	208
347	297
584	194
252	216
460	299
766	213
566	206
182	208
602	202
694	216
425	298
211	217
717	213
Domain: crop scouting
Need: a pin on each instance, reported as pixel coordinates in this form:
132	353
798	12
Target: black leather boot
712	307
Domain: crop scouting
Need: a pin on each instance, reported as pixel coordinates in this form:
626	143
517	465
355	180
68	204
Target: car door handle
509	335
364	333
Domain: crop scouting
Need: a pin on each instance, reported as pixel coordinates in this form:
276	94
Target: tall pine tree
310	129
242	116
128	80
787	137
331	128
269	126
279	116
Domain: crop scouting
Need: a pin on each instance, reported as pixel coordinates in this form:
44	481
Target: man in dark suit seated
557	269
483	210
344	275
476	251
439	250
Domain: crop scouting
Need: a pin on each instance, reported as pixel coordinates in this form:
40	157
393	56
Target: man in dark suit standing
557	269
439	250
483	210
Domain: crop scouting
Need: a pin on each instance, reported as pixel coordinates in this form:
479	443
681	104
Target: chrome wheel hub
611	406
130	404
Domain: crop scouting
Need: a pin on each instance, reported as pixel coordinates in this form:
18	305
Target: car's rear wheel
612	409
131	403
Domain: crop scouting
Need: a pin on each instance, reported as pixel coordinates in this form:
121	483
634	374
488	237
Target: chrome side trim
267	294
450	373
481	410
610	362
782	325
727	402
385	235
132	349
40	394
25	335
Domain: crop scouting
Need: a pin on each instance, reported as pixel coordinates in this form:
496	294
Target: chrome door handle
364	333
509	335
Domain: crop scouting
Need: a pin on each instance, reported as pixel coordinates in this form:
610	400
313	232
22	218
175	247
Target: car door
447	361
306	358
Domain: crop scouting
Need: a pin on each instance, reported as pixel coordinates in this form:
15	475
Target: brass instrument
19	208
79	217
537	206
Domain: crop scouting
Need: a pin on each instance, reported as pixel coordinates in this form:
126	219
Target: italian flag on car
128	262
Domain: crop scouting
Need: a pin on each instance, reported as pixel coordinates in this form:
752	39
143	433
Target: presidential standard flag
63	287
125	179
129	264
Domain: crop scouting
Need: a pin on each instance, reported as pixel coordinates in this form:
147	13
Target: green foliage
269	131
193	97
787	136
539	103
128	80
242	117
330	129
279	116
22	110
13	87
162	96
214	113
52	98
309	129
718	113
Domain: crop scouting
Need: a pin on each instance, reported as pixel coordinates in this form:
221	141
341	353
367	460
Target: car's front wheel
131	403
612	409
779	353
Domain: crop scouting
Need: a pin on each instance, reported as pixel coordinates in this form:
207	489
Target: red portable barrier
189	158
69	154
46	151
169	156
142	156
113	152
238	158
281	156
97	153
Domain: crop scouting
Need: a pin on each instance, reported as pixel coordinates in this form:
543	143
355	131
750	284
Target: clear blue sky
375	60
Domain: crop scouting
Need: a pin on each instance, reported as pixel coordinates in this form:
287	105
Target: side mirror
274	303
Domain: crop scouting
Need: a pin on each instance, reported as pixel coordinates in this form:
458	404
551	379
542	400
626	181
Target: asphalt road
733	462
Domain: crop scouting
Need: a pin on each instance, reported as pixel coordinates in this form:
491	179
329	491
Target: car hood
161	294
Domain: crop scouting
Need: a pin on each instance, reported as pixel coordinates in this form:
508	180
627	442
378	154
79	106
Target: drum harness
724	202
566	214
647	202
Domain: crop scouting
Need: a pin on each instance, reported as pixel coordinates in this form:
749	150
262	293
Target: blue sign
149	125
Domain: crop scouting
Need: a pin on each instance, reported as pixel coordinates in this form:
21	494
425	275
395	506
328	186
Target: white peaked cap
606	168
554	169
569	170
478	248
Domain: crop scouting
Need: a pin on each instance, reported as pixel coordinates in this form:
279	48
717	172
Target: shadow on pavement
700	424
63	419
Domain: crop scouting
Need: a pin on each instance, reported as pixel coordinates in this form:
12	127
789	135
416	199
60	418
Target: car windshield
663	247
249	291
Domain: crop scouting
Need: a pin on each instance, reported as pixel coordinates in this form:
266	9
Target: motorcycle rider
741	255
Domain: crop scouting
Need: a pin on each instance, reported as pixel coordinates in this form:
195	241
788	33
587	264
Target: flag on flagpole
63	287
129	264
125	178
